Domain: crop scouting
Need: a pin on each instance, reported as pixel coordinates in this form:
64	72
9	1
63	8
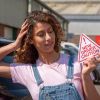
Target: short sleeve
77	69
19	73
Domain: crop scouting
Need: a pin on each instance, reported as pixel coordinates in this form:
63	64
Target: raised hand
90	64
22	33
98	58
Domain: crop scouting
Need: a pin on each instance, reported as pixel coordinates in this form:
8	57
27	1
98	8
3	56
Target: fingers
98	58
25	22
91	62
25	25
24	28
95	59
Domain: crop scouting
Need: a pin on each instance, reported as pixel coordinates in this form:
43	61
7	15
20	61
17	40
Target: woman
39	66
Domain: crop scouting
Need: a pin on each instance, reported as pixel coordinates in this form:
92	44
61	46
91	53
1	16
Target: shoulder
77	66
22	73
20	65
20	68
64	57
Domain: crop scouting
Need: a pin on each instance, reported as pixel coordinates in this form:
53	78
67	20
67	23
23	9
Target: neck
49	58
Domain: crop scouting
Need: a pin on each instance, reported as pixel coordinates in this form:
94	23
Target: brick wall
1	30
76	38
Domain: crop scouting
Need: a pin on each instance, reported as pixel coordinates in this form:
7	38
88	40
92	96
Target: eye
41	34
50	31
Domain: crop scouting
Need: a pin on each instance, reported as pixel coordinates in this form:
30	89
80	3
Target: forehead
42	26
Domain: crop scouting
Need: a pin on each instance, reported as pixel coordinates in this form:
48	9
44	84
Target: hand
98	58
22	33
89	65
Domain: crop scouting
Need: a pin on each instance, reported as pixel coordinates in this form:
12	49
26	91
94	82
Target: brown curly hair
27	53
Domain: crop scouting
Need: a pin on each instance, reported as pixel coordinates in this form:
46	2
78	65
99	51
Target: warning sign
87	47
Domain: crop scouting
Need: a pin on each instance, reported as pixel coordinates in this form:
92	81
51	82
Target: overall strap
37	75
70	67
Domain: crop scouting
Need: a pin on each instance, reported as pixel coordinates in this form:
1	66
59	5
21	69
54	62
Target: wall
12	12
89	28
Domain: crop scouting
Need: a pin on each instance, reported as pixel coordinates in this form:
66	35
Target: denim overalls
65	91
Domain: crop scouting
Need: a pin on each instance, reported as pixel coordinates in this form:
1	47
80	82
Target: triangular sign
87	47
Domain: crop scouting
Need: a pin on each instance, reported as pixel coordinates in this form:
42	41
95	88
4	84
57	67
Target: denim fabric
65	91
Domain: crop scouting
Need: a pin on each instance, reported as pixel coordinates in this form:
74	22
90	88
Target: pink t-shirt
52	74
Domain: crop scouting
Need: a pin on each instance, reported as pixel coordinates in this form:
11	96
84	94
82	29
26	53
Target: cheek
38	42
54	38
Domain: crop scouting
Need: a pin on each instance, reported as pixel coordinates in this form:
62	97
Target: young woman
39	66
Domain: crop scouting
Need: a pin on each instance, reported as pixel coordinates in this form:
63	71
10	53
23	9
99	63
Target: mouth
49	44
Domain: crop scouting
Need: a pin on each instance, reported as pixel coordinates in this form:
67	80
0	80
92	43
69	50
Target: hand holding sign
89	65
89	54
98	58
87	48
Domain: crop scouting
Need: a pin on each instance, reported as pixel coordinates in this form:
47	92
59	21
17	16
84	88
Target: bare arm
5	70
88	86
4	67
5	50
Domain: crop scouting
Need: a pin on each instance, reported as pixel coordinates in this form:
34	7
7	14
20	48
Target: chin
49	50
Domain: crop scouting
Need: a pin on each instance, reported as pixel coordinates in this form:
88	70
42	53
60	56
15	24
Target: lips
49	44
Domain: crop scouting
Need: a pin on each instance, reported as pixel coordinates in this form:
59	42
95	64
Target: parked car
7	88
70	48
73	49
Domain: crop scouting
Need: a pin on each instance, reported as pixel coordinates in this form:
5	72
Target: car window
9	57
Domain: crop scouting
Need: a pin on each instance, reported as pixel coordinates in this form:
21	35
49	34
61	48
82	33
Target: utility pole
29	6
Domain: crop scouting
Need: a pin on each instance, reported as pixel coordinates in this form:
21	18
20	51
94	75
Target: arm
5	50
88	86
5	68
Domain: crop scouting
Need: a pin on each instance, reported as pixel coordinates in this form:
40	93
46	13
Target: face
43	37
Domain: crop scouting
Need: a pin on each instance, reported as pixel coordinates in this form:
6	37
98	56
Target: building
13	13
83	17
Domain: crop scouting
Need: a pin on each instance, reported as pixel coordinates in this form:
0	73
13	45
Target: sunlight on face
43	37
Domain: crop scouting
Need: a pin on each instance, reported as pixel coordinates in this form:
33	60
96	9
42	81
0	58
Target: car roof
4	41
69	48
65	44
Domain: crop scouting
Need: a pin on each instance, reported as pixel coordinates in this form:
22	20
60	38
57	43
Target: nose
48	37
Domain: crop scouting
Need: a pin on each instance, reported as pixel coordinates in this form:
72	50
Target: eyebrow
50	28
43	30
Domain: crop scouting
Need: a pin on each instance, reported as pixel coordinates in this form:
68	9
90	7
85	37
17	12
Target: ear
31	41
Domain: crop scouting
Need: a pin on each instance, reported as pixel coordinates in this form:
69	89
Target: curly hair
27	53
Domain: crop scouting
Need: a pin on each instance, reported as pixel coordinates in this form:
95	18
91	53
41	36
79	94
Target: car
8	88
72	49
17	90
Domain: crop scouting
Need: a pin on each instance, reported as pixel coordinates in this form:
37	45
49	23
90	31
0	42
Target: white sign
87	47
